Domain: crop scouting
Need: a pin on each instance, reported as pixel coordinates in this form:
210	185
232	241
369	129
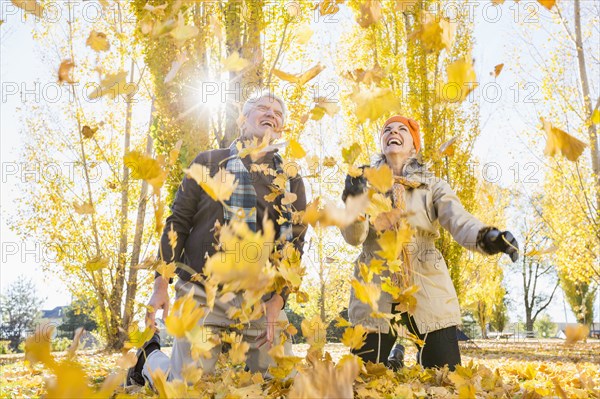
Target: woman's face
397	140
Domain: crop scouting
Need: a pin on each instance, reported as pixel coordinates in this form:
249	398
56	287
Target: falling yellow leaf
289	198
84	209
349	154
113	85
387	220
596	117
497	69
354	337
64	72
368	293
382	178
96	263
145	168
369	13
405	5
373	103
184	316
183	32
341	322
303	33
391	243
461	81
498	2
300	79
167	270
447	148
329	162
88	132
219	188
98	41
315	332
296	150
576	333
172	235
331	215
37	346
137	338
561	142
329	7
547	3
30	6
369	76
435	33
156	10
239	348
234	62
537	252
75	344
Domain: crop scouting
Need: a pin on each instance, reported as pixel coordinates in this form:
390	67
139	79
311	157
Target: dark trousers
441	346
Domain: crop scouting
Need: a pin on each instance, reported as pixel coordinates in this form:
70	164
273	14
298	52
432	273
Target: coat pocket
434	274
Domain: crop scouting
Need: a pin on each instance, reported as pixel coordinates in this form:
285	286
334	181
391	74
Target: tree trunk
589	108
137	239
233	43
117	337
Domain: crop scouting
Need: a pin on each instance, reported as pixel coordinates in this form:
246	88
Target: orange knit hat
412	125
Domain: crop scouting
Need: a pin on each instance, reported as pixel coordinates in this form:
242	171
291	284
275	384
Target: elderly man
194	217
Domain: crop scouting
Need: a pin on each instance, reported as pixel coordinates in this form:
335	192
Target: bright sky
499	143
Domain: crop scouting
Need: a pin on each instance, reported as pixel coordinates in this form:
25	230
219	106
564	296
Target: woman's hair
260	94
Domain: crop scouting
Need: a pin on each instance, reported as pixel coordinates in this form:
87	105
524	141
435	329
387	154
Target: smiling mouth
270	124
395	141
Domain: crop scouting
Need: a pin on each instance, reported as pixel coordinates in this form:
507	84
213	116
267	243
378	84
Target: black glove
494	241
354	186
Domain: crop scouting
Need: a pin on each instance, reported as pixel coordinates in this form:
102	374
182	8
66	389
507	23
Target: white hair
259	95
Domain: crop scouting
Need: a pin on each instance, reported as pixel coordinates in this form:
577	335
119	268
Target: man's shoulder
212	158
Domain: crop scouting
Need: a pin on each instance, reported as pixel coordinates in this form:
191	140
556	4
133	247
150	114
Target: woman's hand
496	241
354	186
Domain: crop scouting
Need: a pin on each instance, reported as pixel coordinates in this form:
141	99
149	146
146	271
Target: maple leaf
295	149
381	178
435	33
184	316
98	41
96	263
354	337
234	63
349	154
372	103
137	338
369	13
447	148
113	85
462	80
303	33
302	78
88	132
497	69
219	188
548	4
84	208
368	293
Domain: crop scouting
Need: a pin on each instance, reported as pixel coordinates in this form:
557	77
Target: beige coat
432	204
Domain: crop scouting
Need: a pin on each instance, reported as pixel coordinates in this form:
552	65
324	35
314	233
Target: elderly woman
427	202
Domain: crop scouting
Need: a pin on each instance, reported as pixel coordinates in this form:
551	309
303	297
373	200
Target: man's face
266	115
